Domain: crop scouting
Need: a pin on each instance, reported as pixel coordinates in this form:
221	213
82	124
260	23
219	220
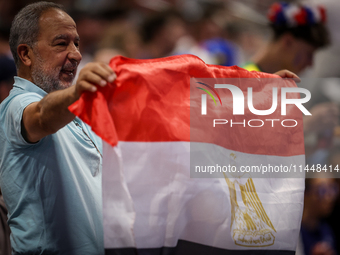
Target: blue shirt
52	188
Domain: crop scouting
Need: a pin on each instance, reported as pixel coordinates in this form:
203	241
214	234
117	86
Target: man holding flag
50	163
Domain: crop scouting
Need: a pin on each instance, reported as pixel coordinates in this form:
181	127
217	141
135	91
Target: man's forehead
65	36
56	19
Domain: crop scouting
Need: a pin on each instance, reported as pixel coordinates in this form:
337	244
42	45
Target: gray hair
25	26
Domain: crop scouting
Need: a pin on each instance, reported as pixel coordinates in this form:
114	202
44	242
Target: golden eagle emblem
250	224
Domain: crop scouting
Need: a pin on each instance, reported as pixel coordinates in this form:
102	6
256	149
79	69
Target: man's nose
74	53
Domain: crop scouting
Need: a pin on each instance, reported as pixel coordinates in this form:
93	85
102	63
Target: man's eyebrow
64	36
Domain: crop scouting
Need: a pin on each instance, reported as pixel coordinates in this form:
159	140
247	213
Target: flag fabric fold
150	119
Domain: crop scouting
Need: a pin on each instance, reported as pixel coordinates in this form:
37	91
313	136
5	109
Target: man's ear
25	53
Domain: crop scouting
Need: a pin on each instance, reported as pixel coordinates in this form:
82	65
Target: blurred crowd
221	32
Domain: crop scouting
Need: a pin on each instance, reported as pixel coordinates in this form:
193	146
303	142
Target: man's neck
269	60
25	74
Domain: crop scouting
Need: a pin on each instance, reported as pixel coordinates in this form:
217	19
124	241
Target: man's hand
51	113
93	74
288	74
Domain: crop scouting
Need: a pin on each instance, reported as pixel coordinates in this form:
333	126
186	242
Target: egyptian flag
175	141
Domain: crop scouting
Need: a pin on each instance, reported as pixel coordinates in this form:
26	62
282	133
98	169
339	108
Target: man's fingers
94	78
104	71
86	86
288	74
112	77
108	68
95	74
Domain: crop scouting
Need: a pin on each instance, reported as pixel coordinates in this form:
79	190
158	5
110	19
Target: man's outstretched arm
51	113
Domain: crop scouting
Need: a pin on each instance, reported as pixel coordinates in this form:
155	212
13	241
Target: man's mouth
69	72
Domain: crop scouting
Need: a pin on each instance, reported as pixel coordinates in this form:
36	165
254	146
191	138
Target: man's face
56	53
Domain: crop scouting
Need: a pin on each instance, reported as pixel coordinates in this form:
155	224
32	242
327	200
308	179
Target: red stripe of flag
150	102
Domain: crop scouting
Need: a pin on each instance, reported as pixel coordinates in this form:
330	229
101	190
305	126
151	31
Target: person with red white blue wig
298	31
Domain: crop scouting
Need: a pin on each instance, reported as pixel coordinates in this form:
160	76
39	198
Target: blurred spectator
4	46
90	29
7	66
165	34
120	38
7	74
160	34
298	32
211	36
324	82
188	45
327	60
224	52
316	234
5	245
334	220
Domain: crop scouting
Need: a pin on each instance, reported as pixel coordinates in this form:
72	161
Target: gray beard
48	82
45	82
